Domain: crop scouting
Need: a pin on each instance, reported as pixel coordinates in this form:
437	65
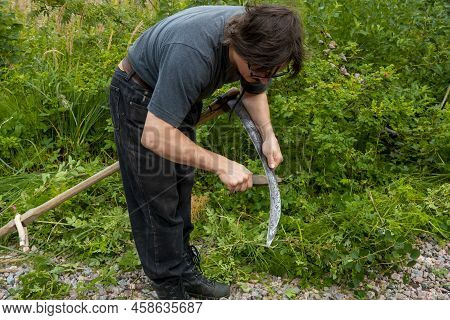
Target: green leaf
415	253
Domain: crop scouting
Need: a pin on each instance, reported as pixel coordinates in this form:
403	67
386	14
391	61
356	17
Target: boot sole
203	297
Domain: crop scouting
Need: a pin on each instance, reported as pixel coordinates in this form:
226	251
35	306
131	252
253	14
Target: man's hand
271	149
172	144
235	176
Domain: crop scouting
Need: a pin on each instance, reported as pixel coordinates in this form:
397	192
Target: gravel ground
429	279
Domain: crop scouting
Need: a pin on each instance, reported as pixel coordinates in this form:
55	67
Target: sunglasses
264	74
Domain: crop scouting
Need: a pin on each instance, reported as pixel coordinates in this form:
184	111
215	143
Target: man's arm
170	143
257	106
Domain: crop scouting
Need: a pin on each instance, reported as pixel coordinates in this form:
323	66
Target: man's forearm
258	108
170	143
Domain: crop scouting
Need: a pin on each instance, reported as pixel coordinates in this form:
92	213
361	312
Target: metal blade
275	199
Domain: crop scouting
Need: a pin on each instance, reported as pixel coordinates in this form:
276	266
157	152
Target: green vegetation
365	138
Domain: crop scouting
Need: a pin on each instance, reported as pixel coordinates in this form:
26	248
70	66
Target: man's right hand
170	143
235	176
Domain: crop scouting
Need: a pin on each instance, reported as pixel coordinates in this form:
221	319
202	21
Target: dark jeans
158	191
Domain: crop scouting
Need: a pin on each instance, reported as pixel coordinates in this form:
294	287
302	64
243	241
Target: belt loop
132	75
127	68
129	76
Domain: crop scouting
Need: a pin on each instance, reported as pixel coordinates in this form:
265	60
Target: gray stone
116	290
10	280
256	295
418	279
20	272
421	295
339	296
389	294
396	276
371	295
442	296
401	296
87	271
122	283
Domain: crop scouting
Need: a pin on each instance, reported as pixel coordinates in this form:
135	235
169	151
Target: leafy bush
411	34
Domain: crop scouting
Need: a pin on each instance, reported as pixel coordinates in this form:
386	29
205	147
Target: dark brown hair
267	36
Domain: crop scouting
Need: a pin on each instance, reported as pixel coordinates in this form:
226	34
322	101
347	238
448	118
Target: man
155	102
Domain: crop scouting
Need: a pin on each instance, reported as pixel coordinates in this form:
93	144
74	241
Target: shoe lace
194	256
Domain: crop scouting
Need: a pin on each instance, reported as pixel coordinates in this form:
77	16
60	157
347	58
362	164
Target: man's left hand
271	149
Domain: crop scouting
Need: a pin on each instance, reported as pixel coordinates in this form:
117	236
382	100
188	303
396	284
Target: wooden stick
11	261
10	269
216	108
23	233
34	213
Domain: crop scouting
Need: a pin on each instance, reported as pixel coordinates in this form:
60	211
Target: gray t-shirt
184	60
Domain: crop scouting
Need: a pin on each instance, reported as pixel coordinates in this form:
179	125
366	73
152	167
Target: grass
354	200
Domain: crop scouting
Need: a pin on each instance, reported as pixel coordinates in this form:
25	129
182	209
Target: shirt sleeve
183	73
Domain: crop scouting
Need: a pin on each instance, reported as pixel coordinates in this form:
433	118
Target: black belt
133	75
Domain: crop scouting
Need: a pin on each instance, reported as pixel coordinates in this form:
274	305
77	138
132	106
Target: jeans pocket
134	122
136	115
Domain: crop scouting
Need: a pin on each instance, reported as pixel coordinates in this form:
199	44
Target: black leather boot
170	289
198	285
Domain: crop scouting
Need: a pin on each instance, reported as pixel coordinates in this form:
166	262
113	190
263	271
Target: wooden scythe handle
34	213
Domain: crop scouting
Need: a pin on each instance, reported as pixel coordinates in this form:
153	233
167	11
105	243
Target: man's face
252	74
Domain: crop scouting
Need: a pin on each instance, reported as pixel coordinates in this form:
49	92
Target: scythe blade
275	199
